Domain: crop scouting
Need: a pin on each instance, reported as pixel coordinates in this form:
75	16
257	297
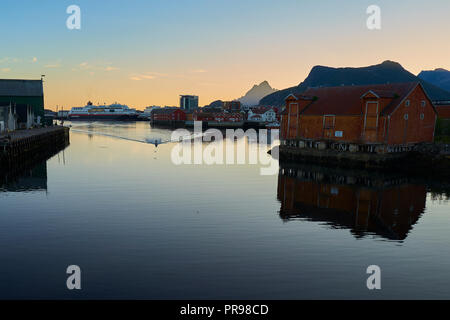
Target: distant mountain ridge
386	72
439	77
255	94
215	104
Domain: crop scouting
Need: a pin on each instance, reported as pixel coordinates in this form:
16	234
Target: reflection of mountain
386	207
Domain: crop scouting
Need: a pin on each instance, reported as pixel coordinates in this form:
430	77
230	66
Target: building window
406	116
407	103
422	116
328	121
424	103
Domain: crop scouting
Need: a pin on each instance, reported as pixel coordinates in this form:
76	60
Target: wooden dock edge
17	151
414	163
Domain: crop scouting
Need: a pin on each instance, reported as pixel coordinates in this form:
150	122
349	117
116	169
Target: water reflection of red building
388	208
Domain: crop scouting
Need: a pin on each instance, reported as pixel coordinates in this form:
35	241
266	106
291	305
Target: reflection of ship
111	112
385	207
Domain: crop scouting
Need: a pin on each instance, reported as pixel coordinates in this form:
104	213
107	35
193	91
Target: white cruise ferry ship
112	112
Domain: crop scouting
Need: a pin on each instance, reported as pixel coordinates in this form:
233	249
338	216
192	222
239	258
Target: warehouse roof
346	100
21	88
168	110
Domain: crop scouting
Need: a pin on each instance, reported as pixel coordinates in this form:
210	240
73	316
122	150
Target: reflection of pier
388	207
29	174
34	179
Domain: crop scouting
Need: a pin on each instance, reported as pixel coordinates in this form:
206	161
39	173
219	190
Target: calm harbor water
141	227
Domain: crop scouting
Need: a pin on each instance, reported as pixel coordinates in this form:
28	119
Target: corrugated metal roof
21	88
346	100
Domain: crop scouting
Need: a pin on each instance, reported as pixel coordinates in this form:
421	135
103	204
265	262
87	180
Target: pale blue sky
217	49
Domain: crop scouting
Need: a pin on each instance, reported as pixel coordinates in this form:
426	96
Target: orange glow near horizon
149	54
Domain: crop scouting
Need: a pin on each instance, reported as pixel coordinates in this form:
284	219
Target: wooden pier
22	146
423	159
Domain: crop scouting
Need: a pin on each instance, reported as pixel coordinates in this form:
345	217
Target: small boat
273	125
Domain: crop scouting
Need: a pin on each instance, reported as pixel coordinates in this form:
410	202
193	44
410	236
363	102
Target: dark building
232	106
206	114
188	102
23	92
6	117
16	116
24	116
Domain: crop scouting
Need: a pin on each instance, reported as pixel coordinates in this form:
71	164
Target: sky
148	52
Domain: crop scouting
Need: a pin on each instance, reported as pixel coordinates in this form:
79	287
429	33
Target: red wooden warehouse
168	116
367	118
443	109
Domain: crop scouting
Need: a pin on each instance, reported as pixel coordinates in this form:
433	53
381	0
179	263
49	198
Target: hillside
438	77
386	72
215	104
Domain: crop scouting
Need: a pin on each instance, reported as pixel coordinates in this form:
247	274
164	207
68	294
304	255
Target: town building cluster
230	114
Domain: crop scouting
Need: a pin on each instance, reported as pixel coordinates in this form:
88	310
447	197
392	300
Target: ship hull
106	117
